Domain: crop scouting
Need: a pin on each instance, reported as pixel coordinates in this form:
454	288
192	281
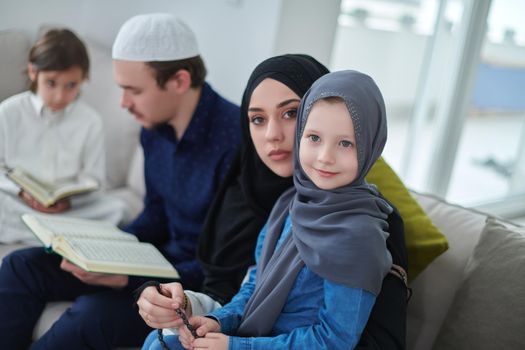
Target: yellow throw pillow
423	239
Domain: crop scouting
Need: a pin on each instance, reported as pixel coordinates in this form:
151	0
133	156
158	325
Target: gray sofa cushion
14	49
488	311
433	290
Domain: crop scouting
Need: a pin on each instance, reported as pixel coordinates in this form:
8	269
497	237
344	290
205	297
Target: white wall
308	26
234	35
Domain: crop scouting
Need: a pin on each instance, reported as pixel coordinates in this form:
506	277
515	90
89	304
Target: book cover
49	193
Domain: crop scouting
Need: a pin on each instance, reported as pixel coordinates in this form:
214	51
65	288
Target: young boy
54	136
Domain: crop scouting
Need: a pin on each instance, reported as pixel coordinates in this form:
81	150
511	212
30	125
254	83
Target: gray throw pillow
488	311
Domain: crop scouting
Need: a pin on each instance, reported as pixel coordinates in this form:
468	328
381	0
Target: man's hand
205	327
158	309
58	207
95	279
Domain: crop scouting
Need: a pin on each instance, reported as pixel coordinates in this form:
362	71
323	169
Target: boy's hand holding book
93	278
47	194
59	207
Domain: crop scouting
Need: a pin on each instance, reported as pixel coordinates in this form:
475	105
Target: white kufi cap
154	37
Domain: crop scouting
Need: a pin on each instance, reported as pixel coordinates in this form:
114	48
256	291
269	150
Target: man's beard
157	126
153	126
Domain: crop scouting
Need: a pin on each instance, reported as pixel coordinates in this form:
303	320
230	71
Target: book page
130	258
70	187
46	227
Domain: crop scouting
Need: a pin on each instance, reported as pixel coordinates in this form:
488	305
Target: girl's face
328	153
57	88
272	116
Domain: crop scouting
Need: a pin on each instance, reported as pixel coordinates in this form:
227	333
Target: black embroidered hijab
250	189
339	234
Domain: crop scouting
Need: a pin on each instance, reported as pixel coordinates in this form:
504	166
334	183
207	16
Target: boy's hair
56	50
164	70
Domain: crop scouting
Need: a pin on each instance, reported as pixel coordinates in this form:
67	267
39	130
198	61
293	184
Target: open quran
99	246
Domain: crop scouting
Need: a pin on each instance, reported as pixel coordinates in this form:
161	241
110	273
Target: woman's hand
59	207
93	278
158	310
205	327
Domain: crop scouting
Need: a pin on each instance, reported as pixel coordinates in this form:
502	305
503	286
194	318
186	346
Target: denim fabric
182	177
152	342
318	314
100	317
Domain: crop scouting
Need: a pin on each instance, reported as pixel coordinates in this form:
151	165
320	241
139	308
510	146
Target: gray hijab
339	234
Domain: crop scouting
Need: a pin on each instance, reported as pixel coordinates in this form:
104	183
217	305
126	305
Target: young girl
53	136
322	255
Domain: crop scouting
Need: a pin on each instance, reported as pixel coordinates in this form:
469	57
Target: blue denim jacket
318	314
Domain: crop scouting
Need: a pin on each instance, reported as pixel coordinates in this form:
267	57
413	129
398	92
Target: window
456	110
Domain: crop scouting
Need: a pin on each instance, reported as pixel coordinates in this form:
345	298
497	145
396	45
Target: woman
322	255
260	175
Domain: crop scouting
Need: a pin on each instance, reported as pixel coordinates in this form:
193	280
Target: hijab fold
339	234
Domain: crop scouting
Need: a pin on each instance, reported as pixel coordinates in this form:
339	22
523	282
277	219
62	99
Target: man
189	137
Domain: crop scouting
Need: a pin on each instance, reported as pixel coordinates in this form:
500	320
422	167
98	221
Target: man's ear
180	81
32	71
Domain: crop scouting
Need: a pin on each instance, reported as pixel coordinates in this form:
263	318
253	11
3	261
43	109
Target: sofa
433	305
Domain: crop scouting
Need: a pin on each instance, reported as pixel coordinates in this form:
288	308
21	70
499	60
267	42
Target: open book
99	246
46	193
